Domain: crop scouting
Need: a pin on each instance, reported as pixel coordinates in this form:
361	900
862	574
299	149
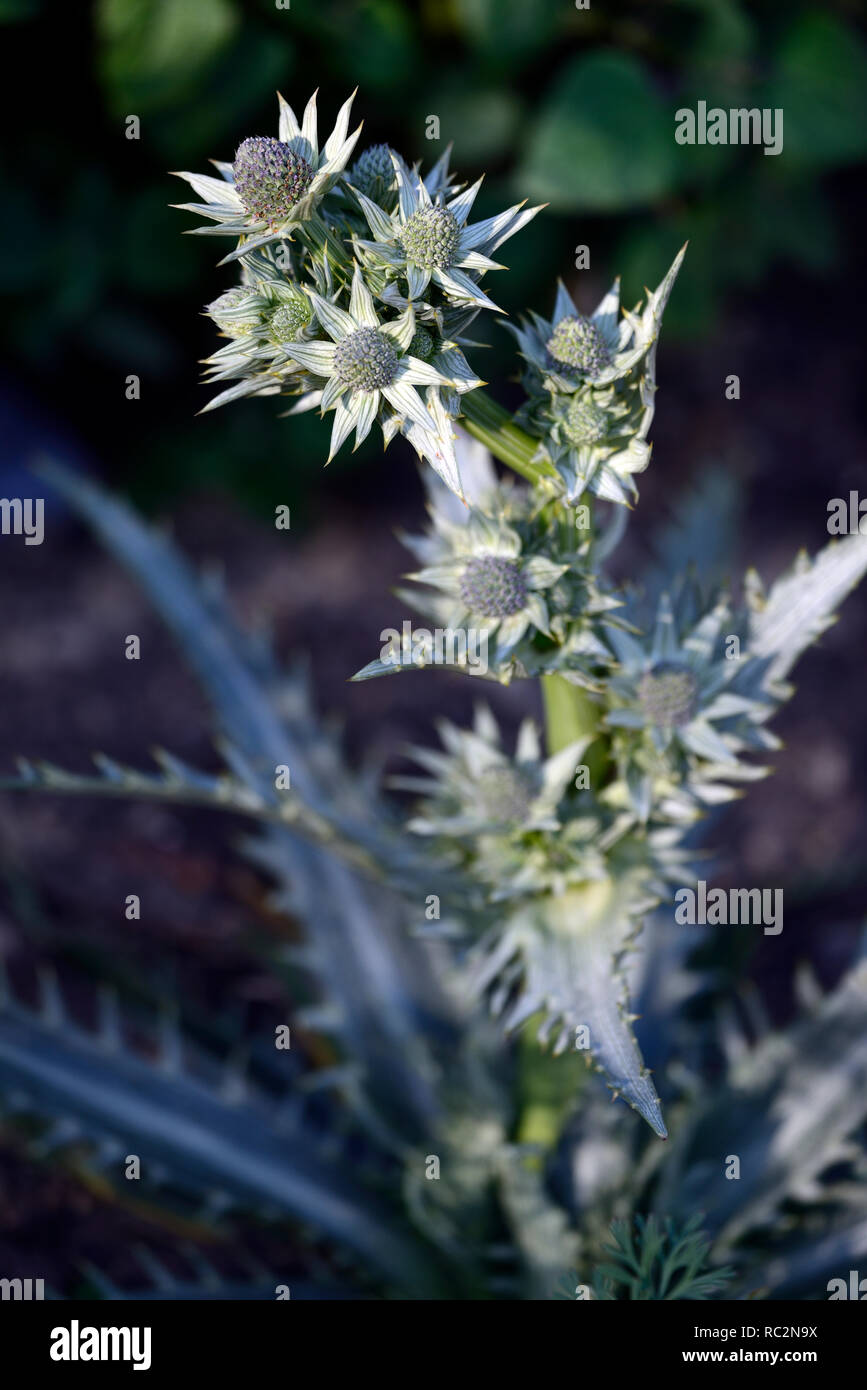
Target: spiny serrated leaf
568	947
186	1130
789	1111
802	603
177	782
264	723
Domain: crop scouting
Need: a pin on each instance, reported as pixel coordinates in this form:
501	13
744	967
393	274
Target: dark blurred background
570	107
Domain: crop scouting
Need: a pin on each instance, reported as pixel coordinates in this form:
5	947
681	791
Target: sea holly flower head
509	819
493	586
681	712
273	184
669	694
270	177
577	346
497	566
423	344
288	320
590	384
367	370
366	360
586	421
475	788
428	238
263	318
373	175
487	581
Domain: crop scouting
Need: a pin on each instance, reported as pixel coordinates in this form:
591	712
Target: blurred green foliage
572	107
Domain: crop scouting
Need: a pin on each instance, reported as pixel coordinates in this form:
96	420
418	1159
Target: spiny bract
231	313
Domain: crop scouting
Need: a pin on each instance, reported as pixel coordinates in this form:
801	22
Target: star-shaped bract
428	239
368	369
273	185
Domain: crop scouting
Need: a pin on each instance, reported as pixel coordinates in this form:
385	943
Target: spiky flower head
422	345
476	788
506	793
367	373
366	360
482	574
668	694
491	585
427	237
230	317
568	353
430	238
274	184
577	343
585	420
373	172
289	320
270	177
681	711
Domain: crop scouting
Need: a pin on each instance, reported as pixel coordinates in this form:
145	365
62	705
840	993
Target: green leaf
604	140
723	46
821	85
152	52
509	32
482	122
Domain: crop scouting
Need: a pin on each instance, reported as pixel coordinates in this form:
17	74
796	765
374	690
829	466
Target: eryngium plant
358	287
391	1066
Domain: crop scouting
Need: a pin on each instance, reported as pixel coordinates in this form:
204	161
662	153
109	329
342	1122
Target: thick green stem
570	714
493	427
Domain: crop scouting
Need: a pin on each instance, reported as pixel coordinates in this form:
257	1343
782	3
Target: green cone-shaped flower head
668	694
585	420
234	324
422	345
289	320
373	172
576	343
270	177
430	238
492	586
366	360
